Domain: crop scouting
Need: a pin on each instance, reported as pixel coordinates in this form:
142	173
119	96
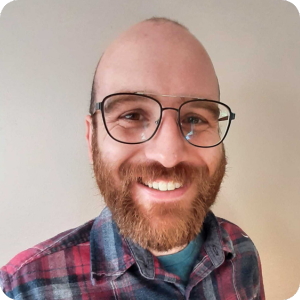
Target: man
155	135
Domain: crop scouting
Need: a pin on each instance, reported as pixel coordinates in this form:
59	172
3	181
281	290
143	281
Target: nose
168	146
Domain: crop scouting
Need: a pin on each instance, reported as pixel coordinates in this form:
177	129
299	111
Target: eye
193	120
132	116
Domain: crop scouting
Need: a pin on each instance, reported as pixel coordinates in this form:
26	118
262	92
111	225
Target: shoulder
240	240
41	256
245	262
233	230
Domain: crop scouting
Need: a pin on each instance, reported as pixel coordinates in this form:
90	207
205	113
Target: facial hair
160	226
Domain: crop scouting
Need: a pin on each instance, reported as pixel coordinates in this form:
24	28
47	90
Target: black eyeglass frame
100	105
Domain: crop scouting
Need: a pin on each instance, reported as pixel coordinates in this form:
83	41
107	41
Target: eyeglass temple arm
98	106
232	117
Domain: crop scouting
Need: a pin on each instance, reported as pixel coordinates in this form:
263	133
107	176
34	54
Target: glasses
134	118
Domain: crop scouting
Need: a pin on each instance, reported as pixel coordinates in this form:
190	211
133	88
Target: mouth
161	185
162	190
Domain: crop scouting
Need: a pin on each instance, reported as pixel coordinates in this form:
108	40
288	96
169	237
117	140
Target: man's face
170	62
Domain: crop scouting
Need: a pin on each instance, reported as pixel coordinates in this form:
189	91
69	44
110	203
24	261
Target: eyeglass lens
135	118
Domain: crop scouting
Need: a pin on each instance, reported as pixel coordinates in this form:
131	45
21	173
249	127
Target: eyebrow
177	99
115	102
211	106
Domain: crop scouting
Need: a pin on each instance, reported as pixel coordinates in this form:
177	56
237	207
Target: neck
171	251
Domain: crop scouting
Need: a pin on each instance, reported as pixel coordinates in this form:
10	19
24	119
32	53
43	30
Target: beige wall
48	53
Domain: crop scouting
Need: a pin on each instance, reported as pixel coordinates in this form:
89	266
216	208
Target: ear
88	136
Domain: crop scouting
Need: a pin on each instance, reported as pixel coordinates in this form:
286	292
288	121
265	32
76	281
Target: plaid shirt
94	261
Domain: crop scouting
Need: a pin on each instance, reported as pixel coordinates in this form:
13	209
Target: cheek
211	157
113	152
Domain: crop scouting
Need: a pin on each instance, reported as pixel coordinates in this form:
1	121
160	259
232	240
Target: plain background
48	53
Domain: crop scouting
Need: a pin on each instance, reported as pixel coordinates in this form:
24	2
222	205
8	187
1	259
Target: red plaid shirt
94	261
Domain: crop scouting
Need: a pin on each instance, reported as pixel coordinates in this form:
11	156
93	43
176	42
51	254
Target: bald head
156	56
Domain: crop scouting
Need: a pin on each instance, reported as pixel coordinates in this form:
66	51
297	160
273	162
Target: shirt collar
112	255
218	244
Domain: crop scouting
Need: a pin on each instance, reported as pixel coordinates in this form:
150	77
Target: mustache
183	173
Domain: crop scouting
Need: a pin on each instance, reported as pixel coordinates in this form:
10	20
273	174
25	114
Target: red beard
164	225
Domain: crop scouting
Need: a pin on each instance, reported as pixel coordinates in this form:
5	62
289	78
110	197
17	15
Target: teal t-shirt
182	262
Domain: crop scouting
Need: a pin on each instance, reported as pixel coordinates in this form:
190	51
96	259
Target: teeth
163	185
171	186
177	185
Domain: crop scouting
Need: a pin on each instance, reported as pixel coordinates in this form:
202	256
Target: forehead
160	64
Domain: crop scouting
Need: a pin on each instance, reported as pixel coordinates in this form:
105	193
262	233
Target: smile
161	192
161	185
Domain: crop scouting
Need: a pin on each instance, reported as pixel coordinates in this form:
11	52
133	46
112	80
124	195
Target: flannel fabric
94	261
